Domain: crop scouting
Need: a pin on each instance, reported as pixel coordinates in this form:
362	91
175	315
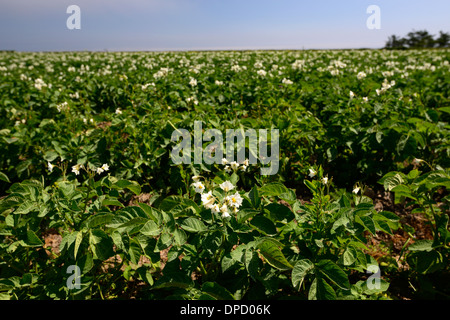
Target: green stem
203	270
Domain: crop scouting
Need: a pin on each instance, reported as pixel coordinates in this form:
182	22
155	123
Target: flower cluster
77	168
234	166
39	84
385	86
230	203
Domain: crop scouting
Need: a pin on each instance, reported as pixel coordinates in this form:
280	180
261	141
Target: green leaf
349	256
133	186
179	236
145	274
112	202
99	219
332	271
255	199
440	236
179	206
387	215
321	290
374	286
245	214
311	185
263	225
173	280
4	177
32	240
134	251
402	191
428	261
421	245
299	272
273	189
26	207
151	212
251	262
279	212
216	291
86	263
164	241
192	224
366	222
150	229
133	225
78	240
444	109
383	226
271	252
391	180
101	244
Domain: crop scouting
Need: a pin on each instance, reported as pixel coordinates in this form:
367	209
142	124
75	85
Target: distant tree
443	40
418	39
395	42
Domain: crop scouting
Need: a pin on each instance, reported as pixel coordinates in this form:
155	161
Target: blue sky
40	25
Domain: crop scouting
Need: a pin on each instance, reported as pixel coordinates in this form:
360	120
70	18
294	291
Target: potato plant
87	140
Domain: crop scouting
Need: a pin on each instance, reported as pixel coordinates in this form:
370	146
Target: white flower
224	161
325	180
365	99
76	169
226	186
224	211
351	94
215	208
62	106
356	190
236	68
192	99
102	169
75	95
361	75
39	83
234	200
312	172
234	165
118	111
145	86
193	82
198	187
225	214
261	73
298	64
50	166
218	83
207	199
258	64
286	81
196	178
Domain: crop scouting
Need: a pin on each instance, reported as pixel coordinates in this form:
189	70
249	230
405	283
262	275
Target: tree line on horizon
418	39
